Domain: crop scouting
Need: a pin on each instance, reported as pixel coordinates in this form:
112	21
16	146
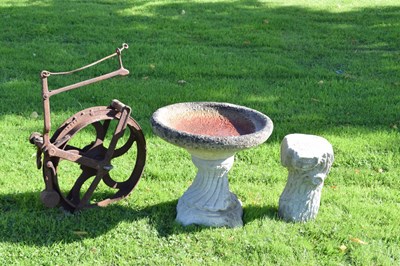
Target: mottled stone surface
308	159
211	127
211	132
208	201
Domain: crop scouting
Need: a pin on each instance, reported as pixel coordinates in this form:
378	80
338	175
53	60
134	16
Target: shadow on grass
24	219
255	212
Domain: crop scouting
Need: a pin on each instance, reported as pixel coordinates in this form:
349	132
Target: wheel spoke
74	193
136	139
128	144
109	181
101	130
72	149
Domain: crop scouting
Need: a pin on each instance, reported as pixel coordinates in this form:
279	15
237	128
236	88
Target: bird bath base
208	201
212	133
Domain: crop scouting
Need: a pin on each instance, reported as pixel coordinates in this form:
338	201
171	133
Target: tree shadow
310	70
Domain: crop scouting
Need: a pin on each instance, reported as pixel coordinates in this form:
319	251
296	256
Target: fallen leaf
246	42
145	78
357	171
333	187
358	241
266	21
34	115
342	248
339	71
394	126
80	233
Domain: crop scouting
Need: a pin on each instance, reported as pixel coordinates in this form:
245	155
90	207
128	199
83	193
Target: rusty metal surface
95	158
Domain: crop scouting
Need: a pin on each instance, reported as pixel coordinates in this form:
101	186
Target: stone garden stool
308	159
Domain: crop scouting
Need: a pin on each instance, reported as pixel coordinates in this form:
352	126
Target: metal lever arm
120	72
46	73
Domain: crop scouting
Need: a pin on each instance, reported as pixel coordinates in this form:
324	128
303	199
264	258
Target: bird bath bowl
212	133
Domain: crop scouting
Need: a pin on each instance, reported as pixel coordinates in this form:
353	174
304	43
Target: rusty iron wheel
98	118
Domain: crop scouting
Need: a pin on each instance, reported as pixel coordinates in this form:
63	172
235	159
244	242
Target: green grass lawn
329	68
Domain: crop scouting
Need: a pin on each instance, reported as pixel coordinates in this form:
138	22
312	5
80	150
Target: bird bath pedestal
212	133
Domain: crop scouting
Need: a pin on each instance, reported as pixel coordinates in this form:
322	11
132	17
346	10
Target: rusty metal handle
117	105
120	72
45	73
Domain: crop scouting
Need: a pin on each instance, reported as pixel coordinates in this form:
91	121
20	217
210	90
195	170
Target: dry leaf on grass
34	115
358	241
80	233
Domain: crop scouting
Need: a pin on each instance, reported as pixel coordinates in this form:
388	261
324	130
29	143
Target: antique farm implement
114	134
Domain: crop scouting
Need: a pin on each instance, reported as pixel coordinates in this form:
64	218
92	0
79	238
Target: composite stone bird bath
212	133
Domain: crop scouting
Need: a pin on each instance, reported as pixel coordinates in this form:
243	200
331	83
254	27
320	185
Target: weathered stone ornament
308	159
208	201
212	133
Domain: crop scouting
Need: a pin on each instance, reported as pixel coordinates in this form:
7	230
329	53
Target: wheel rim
100	120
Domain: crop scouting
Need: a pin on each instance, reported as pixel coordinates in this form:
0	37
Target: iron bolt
52	152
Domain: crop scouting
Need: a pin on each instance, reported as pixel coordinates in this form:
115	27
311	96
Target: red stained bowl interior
213	125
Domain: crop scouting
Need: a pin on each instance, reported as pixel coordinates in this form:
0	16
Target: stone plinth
208	201
308	159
